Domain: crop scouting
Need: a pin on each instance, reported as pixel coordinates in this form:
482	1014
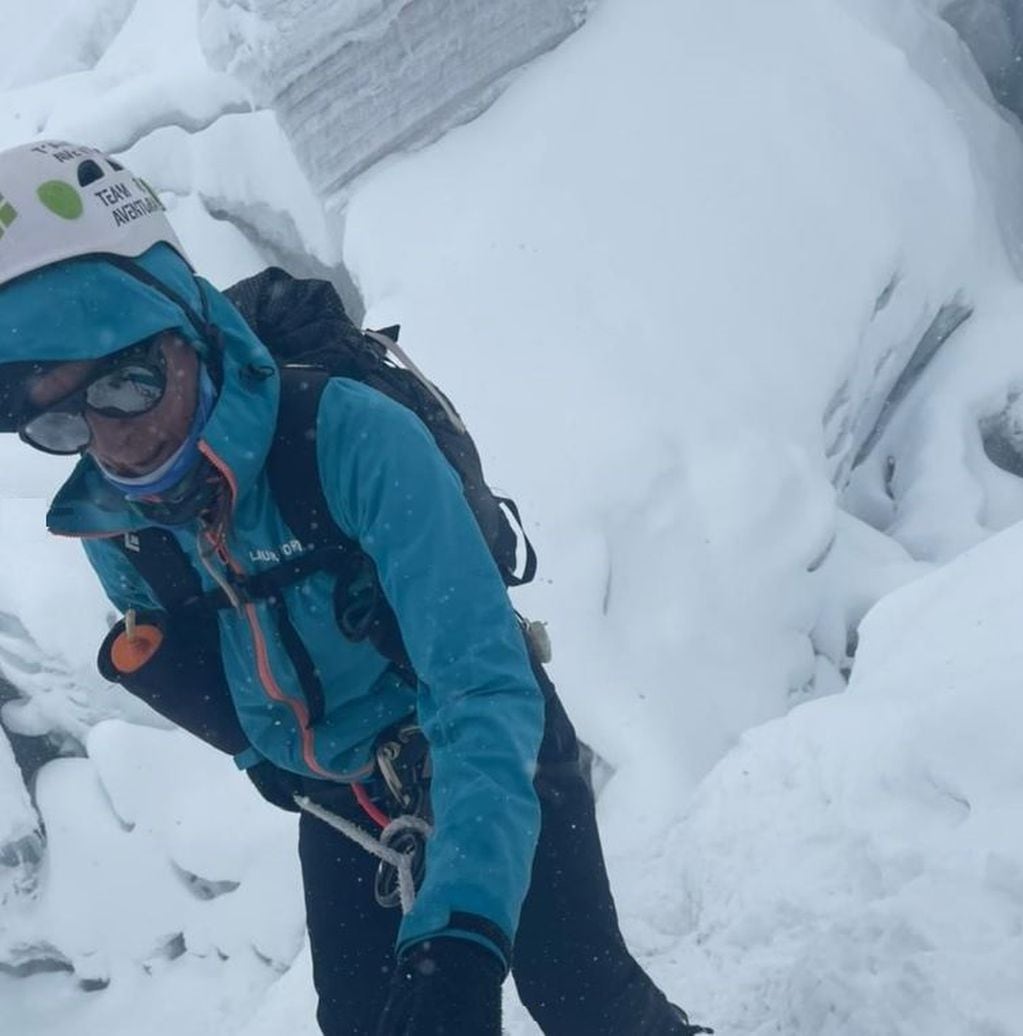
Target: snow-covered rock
353	82
993	30
20	839
160	857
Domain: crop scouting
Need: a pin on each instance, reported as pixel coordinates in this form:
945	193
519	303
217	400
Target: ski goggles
129	384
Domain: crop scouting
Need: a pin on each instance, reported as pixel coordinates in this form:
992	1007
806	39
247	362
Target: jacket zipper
266	676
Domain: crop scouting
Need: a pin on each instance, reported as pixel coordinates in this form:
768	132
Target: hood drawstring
209	541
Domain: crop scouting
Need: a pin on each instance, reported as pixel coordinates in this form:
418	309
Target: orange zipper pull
136	644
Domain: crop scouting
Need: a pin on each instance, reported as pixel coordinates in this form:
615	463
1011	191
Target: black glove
688	1029
444	987
173	663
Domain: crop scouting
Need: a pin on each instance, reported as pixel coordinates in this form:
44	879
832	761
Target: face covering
181	479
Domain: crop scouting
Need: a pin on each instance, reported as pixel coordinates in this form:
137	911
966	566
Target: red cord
361	796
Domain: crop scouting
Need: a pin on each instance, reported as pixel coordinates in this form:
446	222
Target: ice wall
993	30
352	82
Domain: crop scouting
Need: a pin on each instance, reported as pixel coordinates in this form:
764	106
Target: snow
55	37
692	441
229	167
673	278
141	875
903	910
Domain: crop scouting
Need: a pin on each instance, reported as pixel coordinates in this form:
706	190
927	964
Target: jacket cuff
472	928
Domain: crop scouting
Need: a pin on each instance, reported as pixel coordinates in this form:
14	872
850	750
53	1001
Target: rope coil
401	862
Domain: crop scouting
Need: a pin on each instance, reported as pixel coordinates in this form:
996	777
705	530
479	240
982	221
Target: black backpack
304	325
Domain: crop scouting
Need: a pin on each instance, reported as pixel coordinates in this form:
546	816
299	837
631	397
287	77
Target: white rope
205	547
401	862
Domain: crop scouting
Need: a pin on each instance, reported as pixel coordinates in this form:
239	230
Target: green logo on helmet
61	199
8	214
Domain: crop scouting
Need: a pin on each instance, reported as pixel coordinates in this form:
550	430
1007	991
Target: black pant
572	969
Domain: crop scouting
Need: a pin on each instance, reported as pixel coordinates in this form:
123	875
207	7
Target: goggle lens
57	432
126	390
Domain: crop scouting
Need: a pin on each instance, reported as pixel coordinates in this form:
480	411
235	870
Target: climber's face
130	412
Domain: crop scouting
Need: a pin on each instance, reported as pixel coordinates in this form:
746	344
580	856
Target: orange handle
129	653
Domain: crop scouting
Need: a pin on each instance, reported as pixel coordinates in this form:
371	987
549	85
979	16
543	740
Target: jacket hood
117	310
83	309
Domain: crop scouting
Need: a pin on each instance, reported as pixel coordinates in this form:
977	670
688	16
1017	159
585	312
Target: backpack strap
158	558
529	566
293	470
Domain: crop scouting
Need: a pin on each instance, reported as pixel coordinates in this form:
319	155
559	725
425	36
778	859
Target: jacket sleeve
391	489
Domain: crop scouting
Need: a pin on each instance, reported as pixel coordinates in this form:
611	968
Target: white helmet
60	200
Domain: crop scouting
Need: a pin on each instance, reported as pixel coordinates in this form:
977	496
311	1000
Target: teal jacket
388	487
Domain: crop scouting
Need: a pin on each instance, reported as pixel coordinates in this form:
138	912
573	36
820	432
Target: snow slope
690	352
728	294
902	911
